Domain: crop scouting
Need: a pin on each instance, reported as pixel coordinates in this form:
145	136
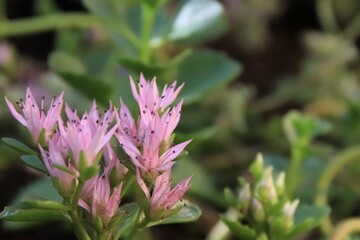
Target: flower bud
266	188
289	211
262	236
258	210
280	184
257	168
245	196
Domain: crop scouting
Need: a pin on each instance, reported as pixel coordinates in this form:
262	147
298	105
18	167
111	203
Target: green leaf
204	71
18	146
131	212
198	21
89	172
44	204
63	62
135	65
202	184
16	214
308	217
89	86
188	213
34	162
300	129
39	189
241	231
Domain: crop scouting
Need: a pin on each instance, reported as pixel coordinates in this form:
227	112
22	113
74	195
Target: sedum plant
262	210
80	155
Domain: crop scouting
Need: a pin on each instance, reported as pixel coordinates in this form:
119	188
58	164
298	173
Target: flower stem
326	16
345	228
344	158
292	175
46	23
79	229
148	17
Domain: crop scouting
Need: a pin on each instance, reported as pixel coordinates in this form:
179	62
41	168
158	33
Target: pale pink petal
173	152
15	114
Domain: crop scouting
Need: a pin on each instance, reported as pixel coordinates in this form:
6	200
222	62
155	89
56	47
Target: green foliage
198	21
188	213
18	146
34	162
264	210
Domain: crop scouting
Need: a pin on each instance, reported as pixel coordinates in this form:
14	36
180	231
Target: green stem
326	16
46	23
79	230
346	228
337	164
2	10
292	175
148	17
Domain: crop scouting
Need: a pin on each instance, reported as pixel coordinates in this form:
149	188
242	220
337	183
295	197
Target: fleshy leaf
44	204
14	213
301	129
18	146
188	213
220	70
308	217
34	162
198	21
241	231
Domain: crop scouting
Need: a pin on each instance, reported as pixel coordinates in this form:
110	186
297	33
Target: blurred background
245	64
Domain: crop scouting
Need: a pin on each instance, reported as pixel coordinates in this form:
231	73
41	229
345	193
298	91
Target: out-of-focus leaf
149	70
300	129
205	70
188	213
239	230
201	183
39	189
34	162
64	62
198	21
308	217
18	146
13	213
89	86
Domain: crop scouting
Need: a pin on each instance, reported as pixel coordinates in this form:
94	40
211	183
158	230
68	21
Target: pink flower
148	94
157	152
35	119
55	158
163	198
103	202
87	135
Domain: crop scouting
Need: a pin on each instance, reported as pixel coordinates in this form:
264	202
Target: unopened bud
289	211
245	196
258	210
280	184
266	188
262	236
257	168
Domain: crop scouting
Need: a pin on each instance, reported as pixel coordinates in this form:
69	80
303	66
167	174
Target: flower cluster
83	164
149	143
263	206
